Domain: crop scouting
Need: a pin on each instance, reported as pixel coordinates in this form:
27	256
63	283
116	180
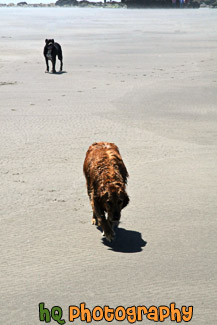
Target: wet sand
145	80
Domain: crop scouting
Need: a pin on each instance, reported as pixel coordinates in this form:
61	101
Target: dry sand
146	80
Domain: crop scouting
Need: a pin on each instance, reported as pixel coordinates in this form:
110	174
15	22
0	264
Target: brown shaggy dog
106	177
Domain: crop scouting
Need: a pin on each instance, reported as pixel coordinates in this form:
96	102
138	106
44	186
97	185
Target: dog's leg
101	219
46	60
54	64
61	65
94	220
60	57
90	193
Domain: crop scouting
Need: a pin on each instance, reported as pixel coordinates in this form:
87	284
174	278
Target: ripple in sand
5	83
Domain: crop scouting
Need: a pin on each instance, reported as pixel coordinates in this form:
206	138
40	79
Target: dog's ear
52	40
105	196
126	200
46	40
99	201
123	171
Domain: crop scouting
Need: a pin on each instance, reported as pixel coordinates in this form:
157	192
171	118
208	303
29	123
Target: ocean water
28	1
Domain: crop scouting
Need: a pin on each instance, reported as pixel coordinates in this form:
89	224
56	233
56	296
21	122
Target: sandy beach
145	80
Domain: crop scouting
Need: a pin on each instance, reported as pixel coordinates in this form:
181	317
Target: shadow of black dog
56	73
60	72
126	241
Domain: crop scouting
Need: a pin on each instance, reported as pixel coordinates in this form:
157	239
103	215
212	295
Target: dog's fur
51	50
106	177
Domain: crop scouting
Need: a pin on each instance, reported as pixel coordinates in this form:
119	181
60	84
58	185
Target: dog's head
114	200
49	42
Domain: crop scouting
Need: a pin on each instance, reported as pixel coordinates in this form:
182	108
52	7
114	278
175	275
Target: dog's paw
46	71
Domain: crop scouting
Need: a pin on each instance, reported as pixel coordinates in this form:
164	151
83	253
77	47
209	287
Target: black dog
51	50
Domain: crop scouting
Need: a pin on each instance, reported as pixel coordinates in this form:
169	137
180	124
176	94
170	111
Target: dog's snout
116	216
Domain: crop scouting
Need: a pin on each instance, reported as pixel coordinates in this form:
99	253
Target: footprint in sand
59	200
